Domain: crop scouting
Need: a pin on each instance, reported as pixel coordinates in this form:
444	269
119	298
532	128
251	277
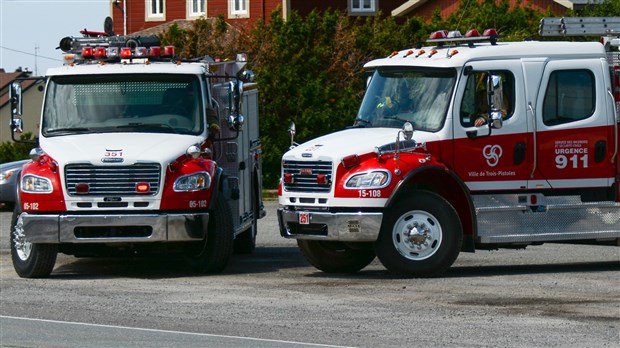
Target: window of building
570	97
365	7
155	9
238	9
195	8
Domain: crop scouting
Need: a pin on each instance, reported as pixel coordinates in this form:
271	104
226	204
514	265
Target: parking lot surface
552	295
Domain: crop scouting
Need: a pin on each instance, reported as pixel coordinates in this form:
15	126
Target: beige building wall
32	99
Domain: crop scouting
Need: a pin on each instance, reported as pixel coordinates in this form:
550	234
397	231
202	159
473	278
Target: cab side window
475	104
570	97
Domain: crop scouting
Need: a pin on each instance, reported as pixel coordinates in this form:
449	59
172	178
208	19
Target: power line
30	54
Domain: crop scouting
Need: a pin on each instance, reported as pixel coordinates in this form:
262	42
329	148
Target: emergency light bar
110	48
75	45
471	36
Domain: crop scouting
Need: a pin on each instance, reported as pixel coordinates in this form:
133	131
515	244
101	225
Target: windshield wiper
361	123
396	118
151	125
68	130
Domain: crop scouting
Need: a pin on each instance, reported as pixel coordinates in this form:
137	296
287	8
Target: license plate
304	218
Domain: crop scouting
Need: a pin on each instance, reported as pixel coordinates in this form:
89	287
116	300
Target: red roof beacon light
472	33
489	32
169	51
87	52
100	53
439	34
126	53
154	51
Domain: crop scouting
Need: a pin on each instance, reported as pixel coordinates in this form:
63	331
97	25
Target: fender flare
446	183
216	186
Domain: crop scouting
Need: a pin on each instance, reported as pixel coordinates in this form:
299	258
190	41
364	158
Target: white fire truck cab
468	143
139	152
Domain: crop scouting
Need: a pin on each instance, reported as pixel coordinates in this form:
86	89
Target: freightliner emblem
112	160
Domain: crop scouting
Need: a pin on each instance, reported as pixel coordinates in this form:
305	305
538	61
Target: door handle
519	153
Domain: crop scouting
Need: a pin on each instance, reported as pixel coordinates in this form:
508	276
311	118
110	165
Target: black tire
30	260
435	246
213	253
336	257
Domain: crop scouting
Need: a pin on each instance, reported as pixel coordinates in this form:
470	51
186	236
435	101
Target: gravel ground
543	296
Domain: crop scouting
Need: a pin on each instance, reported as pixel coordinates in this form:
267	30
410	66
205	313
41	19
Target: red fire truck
468	143
139	152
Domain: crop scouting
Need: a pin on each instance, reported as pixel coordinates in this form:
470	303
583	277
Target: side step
515	219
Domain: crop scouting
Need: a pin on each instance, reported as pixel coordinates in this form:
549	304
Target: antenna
36	50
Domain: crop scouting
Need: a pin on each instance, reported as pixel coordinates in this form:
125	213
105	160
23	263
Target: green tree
310	69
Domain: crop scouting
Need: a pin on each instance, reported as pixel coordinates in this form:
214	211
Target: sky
30	30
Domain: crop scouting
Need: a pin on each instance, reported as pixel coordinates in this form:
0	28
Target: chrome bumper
114	228
344	227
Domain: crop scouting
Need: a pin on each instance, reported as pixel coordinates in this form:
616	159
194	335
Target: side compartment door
495	162
573	139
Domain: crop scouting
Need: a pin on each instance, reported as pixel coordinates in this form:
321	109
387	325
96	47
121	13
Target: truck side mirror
236	119
495	92
17	125
291	132
248	76
15	96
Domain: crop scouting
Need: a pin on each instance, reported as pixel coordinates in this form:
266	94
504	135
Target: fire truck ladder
580	26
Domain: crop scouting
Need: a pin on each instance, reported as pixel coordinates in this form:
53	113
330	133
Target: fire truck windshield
122	103
397	95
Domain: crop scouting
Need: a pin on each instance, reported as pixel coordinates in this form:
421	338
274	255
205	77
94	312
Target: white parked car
9	174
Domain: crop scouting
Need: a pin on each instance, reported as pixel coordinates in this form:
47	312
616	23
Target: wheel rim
22	247
417	235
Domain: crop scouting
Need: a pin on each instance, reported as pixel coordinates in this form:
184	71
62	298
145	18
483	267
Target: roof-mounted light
169	51
439	34
69	59
113	52
140	52
472	33
126	53
87	52
489	32
454	34
154	51
100	52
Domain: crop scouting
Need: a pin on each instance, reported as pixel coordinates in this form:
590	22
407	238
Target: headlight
374	179
36	184
193	182
6	175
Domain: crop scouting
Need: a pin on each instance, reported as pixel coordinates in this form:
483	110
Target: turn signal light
142	187
288	178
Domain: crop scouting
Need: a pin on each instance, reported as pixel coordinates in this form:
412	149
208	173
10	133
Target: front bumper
114	228
342	226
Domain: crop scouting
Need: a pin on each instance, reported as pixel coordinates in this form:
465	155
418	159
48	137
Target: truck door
495	162
573	138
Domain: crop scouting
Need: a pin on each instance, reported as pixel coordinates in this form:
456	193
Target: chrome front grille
112	180
304	176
